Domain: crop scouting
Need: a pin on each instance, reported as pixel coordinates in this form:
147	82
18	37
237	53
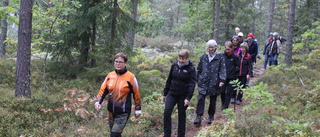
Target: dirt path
219	118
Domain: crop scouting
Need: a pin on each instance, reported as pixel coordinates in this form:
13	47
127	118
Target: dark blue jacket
253	50
210	74
181	80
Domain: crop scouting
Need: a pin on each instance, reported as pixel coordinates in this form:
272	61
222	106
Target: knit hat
250	35
270	33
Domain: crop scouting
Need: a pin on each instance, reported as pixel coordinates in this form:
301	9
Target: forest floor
219	118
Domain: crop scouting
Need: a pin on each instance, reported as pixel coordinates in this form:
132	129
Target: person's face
227	50
212	49
237	31
275	37
243	50
240	38
235	41
182	60
249	39
119	64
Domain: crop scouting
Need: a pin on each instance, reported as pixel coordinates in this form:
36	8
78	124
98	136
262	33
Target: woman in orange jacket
120	85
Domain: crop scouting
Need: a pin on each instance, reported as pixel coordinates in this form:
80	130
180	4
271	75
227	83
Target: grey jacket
210	74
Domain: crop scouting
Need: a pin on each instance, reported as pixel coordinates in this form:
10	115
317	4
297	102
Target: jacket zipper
241	66
114	92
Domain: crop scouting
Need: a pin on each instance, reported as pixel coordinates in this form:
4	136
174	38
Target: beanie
251	35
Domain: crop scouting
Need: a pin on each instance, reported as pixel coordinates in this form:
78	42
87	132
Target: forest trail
219	118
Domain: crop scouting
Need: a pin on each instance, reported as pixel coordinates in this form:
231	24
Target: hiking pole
234	104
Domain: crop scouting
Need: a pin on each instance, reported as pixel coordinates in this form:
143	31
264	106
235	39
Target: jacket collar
121	71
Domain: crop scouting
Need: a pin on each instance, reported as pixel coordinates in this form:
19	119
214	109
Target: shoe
197	121
210	119
238	102
232	101
223	108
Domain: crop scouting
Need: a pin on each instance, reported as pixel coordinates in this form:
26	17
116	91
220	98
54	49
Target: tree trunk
24	49
114	21
134	16
216	21
4	30
270	19
84	50
288	55
93	40
227	32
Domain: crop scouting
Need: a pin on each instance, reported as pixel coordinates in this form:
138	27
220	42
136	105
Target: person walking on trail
179	90
236	30
266	50
240	36
120	85
245	64
253	51
236	45
275	49
232	69
211	75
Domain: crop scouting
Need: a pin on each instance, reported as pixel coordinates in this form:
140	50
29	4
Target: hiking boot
238	102
197	121
210	119
232	101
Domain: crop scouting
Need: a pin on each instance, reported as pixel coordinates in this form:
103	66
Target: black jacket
232	66
210	74
181	80
245	64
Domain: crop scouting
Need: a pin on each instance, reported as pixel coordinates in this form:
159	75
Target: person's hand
186	102
221	84
248	76
164	98
97	106
137	115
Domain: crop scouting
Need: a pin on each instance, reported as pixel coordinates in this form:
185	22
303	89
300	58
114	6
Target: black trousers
171	101
239	95
227	90
201	105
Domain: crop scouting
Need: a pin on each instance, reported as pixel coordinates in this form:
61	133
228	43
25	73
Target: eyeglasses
118	62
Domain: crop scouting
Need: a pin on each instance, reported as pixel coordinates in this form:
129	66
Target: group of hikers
213	74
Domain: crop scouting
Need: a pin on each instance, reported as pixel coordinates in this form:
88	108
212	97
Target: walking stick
234	104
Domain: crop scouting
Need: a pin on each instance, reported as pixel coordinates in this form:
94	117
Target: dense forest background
50	79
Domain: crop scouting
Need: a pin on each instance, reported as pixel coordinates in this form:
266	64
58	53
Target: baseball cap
240	34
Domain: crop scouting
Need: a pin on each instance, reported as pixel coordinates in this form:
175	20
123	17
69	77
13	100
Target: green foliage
151	22
309	41
259	96
221	129
7	71
24	116
150	82
313	59
307	15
